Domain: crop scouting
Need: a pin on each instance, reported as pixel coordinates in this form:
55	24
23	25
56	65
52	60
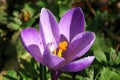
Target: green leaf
114	58
13	26
99	48
29	23
24	76
107	74
11	75
41	4
3	17
118	58
17	20
99	55
16	13
99	42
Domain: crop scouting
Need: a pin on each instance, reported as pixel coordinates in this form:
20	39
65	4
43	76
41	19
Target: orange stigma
62	47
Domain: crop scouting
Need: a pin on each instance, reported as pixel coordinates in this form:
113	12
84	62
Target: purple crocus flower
60	45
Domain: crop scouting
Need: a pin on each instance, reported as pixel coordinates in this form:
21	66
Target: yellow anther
55	52
59	53
62	47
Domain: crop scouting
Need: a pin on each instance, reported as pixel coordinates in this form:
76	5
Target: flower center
62	47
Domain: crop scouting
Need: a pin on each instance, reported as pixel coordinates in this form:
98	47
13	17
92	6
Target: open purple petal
31	40
51	60
34	50
48	28
72	23
80	44
78	65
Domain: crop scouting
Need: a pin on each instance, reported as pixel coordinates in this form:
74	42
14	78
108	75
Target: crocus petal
80	44
51	60
31	40
72	23
78	64
48	28
34	50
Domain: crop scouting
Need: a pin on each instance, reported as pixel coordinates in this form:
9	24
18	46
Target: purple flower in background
59	45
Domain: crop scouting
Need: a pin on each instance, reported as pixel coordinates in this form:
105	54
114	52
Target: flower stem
55	75
42	72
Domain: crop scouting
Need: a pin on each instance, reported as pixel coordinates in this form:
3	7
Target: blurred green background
102	17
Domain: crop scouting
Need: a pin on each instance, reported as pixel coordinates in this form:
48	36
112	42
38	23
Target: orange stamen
62	47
